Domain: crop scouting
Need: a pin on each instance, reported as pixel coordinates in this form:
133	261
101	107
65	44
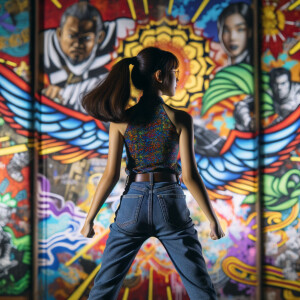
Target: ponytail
107	102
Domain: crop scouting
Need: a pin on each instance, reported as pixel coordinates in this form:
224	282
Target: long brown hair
108	101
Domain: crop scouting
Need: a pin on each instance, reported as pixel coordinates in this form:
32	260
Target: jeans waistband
144	186
151	177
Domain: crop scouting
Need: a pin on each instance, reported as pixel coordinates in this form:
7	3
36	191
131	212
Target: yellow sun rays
170	7
199	10
294	5
191	50
295	48
57	3
132	9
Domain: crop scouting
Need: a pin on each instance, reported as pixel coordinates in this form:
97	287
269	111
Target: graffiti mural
15	154
280	64
77	53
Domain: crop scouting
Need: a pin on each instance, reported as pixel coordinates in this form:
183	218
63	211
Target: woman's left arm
108	180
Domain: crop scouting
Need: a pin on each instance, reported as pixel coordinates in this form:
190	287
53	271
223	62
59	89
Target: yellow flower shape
191	50
272	20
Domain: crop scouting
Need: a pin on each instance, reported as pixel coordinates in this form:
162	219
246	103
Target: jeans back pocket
174	209
129	209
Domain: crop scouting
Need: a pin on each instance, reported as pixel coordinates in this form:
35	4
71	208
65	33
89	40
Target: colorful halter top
153	143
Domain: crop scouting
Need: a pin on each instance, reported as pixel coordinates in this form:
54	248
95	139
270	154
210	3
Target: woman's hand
216	231
88	230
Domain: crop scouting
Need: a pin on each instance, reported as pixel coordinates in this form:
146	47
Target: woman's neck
150	94
150	98
243	57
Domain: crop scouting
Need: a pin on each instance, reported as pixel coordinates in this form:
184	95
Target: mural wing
279	141
67	134
235	167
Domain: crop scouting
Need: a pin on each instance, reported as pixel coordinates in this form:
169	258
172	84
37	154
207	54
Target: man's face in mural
235	35
281	86
77	38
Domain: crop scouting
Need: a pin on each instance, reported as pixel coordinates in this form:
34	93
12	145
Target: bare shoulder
179	118
121	127
118	127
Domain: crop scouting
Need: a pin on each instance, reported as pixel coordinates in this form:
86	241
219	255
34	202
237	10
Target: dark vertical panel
259	207
34	10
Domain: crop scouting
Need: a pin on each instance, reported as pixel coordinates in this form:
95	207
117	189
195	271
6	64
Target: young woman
235	32
153	203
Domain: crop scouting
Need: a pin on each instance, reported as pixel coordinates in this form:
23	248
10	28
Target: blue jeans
157	210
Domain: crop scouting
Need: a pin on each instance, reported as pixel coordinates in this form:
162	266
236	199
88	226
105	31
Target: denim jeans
158	210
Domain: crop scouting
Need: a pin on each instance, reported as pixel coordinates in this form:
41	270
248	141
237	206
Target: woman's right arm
108	180
190	174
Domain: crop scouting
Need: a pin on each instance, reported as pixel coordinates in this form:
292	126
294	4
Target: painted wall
15	150
281	119
74	146
216	87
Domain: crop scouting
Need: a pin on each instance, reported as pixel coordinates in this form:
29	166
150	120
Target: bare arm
190	175
109	178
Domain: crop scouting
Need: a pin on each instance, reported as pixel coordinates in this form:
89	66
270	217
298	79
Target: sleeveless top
151	141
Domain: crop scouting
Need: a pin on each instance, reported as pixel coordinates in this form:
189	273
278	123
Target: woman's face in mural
235	35
77	38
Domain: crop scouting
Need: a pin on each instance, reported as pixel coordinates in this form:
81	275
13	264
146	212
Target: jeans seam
155	189
138	208
138	188
176	195
166	214
131	195
163	208
166	187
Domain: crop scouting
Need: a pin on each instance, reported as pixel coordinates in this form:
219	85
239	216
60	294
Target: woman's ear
157	76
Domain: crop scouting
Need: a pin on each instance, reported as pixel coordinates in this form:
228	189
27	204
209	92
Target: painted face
77	38
235	35
170	87
281	86
5	213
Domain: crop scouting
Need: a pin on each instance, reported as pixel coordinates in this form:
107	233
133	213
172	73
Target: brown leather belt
157	177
